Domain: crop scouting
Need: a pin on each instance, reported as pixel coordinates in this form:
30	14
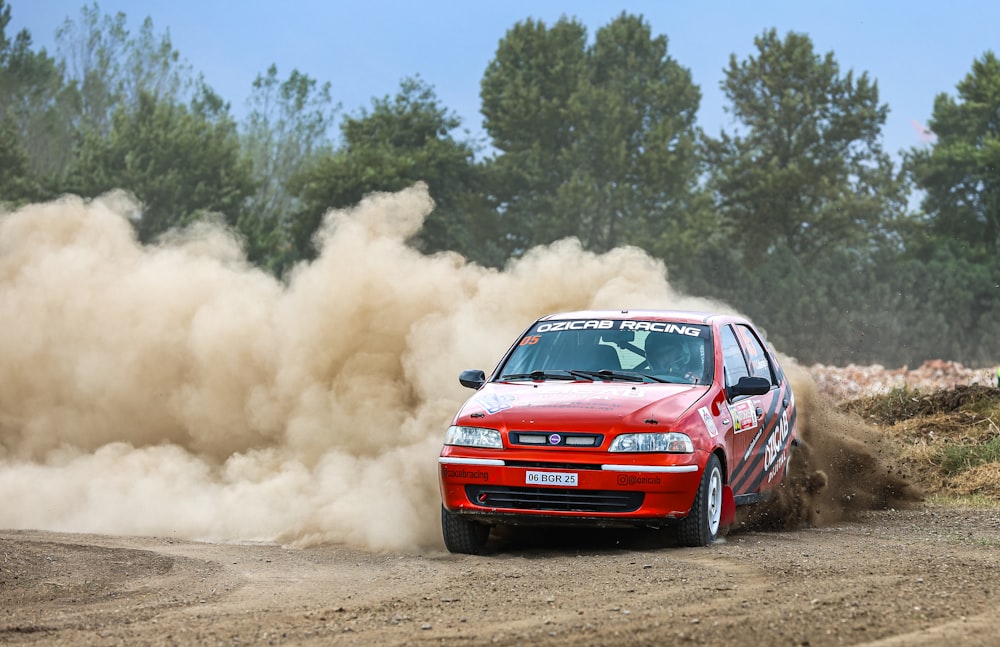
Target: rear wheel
462	535
702	525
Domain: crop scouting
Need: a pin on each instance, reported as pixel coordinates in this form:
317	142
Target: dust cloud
175	390
842	467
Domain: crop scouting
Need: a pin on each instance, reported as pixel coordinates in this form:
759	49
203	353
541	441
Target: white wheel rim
714	501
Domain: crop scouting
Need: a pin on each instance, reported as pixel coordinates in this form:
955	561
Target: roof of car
686	316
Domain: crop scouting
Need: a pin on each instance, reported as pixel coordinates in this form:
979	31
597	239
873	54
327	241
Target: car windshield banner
624	325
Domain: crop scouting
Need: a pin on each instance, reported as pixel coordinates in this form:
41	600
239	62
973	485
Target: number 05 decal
529	340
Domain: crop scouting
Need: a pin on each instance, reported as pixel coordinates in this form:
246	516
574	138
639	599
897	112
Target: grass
949	440
958	458
978	501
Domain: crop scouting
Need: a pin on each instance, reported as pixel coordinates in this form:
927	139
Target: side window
756	357
732	357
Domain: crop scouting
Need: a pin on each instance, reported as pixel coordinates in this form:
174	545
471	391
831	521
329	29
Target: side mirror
472	378
749	386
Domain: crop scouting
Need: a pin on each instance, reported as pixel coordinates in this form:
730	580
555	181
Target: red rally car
609	418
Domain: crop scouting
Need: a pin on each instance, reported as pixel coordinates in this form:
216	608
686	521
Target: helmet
671	352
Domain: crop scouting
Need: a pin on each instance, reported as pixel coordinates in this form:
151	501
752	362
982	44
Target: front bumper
596	492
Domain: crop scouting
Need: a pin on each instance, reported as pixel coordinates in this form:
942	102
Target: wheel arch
728	498
720	452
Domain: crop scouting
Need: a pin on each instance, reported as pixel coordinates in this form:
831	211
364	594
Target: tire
702	525
462	535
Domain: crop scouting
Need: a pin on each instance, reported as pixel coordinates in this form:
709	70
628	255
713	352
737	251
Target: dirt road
925	576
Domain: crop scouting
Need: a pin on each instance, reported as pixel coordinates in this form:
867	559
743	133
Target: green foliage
596	142
286	131
634	158
13	162
960	173
795	217
402	140
179	164
900	403
958	458
806	170
839	307
526	92
107	66
815	217
35	107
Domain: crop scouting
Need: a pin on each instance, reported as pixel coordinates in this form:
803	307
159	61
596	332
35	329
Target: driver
675	355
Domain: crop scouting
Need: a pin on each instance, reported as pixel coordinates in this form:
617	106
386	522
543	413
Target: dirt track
926	576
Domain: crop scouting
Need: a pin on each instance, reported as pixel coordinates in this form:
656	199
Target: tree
806	169
596	142
402	140
634	157
34	107
107	66
526	92
286	130
960	173
13	162
952	259
13	159
179	164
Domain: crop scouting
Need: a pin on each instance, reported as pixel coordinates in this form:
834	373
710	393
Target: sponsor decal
607	324
493	403
661	326
776	442
592	392
745	414
582	406
637	479
777	468
577	324
462	473
590	399
753	443
706	417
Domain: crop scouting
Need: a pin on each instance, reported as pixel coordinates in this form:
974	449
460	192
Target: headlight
672	442
473	437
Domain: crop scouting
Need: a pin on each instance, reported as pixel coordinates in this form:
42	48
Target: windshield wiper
608	374
630	376
590	376
671	380
547	375
655	379
636	377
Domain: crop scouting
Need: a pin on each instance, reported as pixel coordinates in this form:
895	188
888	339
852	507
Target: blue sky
914	50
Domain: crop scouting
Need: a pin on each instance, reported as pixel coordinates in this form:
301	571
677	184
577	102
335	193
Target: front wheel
701	526
462	535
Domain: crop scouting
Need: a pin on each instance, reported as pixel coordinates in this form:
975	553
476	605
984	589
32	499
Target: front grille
552	499
561	440
549	465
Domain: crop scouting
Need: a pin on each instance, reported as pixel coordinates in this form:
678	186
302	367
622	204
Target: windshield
658	351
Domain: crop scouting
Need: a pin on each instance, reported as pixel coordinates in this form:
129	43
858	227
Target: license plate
564	479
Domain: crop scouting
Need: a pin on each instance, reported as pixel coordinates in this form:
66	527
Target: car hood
555	405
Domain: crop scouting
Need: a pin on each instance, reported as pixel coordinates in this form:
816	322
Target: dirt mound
950	439
904	404
939	425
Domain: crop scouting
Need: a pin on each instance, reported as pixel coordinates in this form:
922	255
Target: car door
754	417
